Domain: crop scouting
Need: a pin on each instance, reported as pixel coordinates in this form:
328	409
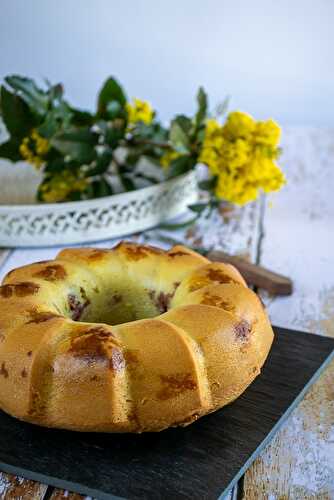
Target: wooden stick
274	283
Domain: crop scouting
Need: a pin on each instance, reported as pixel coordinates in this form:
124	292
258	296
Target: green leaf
49	127
114	110
102	164
153	131
222	107
180	165
184	122
15	114
198	208
113	135
208	184
79	134
132	159
10	150
127	183
179	138
81	152
178	225
55	165
56	92
80	117
111	91
58	118
35	97
202	102
100	188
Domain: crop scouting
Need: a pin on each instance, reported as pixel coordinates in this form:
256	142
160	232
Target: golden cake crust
76	354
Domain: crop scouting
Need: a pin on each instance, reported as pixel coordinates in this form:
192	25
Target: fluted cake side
129	339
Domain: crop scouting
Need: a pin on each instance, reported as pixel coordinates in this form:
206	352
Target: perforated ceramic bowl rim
98	219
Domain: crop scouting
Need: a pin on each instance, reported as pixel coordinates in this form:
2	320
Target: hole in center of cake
115	306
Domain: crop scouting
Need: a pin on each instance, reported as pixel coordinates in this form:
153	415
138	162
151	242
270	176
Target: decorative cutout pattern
109	217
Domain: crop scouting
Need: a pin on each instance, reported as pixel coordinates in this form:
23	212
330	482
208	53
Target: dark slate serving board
202	461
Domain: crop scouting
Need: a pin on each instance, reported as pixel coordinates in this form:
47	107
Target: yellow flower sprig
34	148
82	147
139	111
58	187
242	155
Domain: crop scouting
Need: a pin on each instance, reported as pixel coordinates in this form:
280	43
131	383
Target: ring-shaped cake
128	339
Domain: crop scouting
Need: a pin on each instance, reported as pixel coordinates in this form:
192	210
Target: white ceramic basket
98	219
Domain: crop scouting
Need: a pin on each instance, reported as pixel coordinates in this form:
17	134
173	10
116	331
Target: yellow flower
139	111
58	187
241	154
34	148
235	188
238	125
267	133
235	154
212	146
168	157
219	153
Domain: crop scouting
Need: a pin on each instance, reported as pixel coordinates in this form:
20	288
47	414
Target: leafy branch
122	145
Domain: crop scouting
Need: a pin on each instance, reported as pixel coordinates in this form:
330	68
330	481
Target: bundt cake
128	339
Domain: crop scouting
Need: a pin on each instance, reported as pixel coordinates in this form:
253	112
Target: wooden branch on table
258	276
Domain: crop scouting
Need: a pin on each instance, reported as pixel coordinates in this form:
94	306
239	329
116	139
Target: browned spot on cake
22	289
29	353
77	305
242	330
40	317
217	301
154	250
3	370
6	291
89	347
175	384
177	253
98	253
219	276
211	276
130	356
24	373
96	344
135	252
37	405
102	333
54	272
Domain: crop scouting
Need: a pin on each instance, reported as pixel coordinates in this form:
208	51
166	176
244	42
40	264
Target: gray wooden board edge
175	463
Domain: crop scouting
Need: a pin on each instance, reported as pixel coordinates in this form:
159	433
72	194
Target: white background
275	58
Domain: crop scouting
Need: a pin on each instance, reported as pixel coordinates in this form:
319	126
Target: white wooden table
293	234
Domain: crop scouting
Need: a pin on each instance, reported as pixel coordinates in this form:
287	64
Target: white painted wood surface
299	241
296	237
